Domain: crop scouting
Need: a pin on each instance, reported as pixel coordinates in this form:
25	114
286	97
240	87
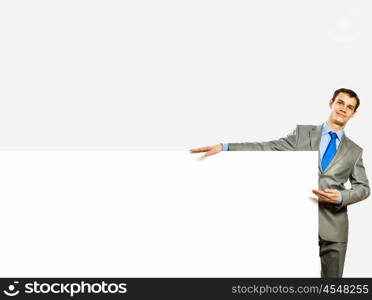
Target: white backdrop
157	214
172	75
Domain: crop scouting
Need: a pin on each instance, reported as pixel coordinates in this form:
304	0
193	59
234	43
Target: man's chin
339	122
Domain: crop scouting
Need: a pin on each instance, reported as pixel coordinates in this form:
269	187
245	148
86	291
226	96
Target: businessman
340	160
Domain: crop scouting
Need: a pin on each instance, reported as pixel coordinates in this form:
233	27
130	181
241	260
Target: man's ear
330	103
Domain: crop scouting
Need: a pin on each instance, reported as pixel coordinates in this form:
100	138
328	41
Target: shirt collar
326	129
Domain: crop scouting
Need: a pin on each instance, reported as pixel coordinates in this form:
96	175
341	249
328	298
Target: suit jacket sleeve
359	185
283	144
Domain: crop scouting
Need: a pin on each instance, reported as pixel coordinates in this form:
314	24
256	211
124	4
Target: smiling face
342	109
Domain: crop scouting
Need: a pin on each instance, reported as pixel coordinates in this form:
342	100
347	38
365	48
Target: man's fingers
211	152
319	193
332	191
325	192
329	192
326	199
202	149
323	196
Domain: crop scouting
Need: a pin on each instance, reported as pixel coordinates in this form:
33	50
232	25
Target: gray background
172	75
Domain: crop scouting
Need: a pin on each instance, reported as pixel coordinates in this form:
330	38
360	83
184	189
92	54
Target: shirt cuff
225	146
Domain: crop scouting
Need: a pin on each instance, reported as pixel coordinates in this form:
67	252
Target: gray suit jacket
346	165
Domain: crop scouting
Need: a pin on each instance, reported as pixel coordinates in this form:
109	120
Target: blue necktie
330	151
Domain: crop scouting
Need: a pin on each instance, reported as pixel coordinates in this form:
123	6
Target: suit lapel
315	135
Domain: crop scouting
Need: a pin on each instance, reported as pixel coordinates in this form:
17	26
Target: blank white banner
158	214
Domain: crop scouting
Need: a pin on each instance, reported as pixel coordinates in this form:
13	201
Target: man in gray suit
340	160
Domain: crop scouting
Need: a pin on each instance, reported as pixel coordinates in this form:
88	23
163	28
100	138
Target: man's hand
210	150
328	195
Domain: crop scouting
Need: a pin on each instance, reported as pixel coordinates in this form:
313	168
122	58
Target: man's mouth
341	115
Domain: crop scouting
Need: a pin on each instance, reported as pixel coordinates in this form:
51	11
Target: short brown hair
350	93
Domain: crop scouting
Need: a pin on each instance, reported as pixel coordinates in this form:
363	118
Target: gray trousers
332	258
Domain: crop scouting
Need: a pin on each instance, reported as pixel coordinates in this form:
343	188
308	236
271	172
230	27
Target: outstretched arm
283	144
